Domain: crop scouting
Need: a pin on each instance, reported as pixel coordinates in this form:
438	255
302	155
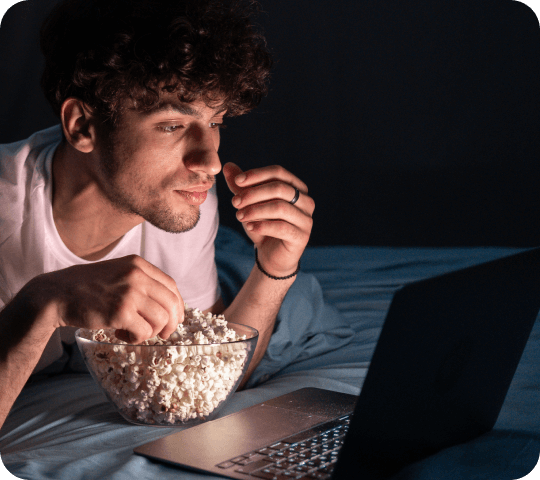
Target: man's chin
175	223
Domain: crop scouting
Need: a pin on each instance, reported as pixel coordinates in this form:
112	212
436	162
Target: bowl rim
254	337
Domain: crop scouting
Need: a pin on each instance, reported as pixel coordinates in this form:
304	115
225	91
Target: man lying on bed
108	220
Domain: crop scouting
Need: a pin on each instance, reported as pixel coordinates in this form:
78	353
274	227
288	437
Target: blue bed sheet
62	427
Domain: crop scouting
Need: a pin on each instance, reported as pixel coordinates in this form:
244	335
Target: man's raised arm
276	212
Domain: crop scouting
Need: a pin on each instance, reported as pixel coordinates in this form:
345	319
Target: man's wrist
37	298
274	277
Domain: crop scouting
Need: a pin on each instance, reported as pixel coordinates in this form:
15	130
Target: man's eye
169	128
217	125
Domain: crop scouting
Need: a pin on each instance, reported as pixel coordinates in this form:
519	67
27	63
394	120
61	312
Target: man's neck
88	224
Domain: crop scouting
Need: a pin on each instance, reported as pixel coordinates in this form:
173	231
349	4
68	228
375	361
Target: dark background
412	122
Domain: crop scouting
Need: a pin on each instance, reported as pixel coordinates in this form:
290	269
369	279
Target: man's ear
78	123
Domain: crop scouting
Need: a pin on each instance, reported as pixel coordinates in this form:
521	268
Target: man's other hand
127	294
279	229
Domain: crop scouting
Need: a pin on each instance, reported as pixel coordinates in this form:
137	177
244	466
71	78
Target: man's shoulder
37	141
22	168
21	156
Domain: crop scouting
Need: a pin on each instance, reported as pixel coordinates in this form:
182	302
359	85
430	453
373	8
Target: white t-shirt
30	244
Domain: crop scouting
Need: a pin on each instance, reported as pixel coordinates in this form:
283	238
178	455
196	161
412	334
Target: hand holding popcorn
170	382
128	294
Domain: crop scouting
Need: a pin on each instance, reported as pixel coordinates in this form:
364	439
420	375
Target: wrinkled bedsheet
63	427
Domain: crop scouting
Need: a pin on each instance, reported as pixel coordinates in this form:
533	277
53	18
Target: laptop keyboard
310	454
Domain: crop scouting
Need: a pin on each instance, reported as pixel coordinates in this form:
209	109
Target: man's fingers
275	210
262	175
162	308
275	190
137	331
230	172
156	274
172	303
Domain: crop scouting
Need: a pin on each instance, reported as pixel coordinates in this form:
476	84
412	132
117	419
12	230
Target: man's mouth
194	198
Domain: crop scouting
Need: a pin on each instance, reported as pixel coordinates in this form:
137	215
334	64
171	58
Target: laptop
442	367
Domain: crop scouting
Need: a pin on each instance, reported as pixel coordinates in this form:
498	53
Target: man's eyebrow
182	108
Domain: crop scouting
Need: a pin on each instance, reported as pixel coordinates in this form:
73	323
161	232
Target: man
108	220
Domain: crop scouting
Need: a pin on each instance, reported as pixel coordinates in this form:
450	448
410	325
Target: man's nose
202	154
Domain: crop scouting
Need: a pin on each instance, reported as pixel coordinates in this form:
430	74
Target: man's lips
193	197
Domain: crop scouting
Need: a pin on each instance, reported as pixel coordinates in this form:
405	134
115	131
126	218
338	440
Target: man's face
160	165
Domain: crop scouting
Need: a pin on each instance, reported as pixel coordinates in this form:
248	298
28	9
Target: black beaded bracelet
272	276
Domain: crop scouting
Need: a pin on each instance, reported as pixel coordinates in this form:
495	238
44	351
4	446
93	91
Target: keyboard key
252	454
286	465
252	458
280	445
298	460
283	455
315	463
238	459
273	470
290	453
227	464
266	451
251	467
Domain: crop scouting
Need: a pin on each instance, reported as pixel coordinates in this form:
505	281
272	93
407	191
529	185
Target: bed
62	426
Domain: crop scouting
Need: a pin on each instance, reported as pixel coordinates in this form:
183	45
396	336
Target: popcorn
168	386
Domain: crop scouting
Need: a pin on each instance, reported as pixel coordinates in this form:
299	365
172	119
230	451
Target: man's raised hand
279	229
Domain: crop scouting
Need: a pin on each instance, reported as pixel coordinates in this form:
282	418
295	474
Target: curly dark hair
106	51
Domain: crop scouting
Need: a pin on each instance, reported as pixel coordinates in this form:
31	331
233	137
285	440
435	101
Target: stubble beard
145	203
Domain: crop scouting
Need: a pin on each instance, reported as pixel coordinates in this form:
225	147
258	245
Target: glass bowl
168	385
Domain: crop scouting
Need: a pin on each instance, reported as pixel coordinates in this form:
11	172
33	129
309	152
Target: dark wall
23	109
412	122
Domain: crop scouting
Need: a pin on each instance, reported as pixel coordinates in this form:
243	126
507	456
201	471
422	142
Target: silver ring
296	196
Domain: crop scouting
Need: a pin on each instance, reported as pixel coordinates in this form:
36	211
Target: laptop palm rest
211	443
